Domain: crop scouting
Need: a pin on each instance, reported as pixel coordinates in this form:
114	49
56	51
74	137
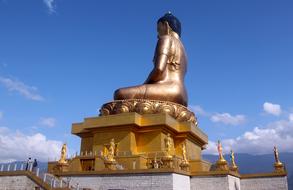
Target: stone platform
176	180
155	179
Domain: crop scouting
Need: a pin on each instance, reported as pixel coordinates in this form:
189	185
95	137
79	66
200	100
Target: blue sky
60	60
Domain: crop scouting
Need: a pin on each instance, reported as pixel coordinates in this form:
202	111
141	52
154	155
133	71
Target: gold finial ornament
233	166
63	156
166	81
279	167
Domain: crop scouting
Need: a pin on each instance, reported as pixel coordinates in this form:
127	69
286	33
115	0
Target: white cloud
260	140
291	117
228	119
270	108
48	121
51	5
28	92
211	148
16	146
198	110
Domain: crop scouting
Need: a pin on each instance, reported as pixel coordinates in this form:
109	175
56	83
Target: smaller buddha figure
110	152
183	146
168	144
63	154
156	164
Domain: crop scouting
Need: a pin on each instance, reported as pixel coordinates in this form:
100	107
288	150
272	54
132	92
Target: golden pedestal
167	162
140	138
58	167
279	167
221	165
144	134
184	166
110	165
234	168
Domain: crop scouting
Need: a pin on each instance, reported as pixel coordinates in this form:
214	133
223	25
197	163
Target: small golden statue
63	154
169	145
279	167
185	163
166	80
233	167
183	146
110	152
167	160
156	164
108	155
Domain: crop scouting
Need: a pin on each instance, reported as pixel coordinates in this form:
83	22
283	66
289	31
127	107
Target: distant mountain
259	163
247	163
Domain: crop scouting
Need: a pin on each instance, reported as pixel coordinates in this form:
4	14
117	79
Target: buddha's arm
160	60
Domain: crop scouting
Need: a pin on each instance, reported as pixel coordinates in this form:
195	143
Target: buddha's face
162	28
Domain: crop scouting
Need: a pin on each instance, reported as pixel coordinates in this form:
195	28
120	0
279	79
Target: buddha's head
168	23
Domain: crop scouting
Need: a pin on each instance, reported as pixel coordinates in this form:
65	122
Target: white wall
209	183
268	183
181	182
125	181
16	183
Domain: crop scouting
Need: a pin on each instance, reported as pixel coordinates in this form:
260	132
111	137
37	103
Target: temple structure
148	122
147	135
147	138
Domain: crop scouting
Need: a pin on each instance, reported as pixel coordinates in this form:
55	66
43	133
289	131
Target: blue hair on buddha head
173	22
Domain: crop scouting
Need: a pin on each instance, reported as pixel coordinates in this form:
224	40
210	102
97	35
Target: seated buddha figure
166	80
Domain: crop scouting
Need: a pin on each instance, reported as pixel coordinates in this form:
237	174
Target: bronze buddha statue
166	81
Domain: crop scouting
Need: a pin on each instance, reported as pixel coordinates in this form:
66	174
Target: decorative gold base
167	162
110	165
143	106
279	167
60	167
234	168
221	165
184	165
